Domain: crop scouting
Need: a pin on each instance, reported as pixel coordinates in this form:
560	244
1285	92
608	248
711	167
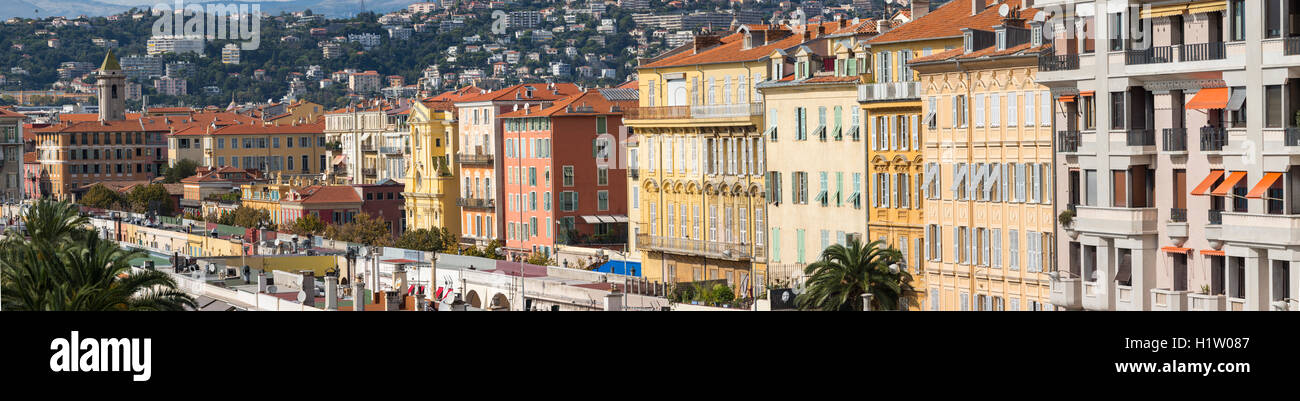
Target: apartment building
11	155
1212	73
371	141
279	150
987	140
564	184
163	44
230	54
815	158
481	171
699	131
431	186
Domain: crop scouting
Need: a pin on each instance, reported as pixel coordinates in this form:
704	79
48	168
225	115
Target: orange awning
1087	93
1209	180
1174	249
1212	252
1066	98
1209	98
1228	183
1263	185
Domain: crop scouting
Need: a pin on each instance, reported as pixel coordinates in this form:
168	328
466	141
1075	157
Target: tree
837	280
141	199
65	266
246	217
308	224
450	242
100	197
421	240
537	259
363	229
183	168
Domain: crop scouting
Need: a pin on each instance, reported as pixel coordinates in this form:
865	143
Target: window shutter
938	243
1005	183
979	110
954	112
995	109
1020	182
889	190
1029	108
916	132
997	247
1038	183
927	240
1013	246
1046	196
956	245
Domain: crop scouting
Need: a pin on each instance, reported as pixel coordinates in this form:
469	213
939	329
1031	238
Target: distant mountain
94	8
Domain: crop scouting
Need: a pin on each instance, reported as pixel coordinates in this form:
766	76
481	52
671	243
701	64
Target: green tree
183	168
247	217
100	197
142	195
363	229
308	224
421	240
65	266
536	258
837	280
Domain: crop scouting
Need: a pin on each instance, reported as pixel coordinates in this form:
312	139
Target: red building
563	181
332	204
385	200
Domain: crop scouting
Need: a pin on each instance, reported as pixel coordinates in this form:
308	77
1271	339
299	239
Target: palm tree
66	266
837	280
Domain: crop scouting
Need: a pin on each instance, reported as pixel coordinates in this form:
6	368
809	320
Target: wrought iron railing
476	202
1062	62
1178	215
473	158
1291	137
1216	217
889	91
1067	141
1203	51
1175	139
1292	46
1154	55
1141	137
1213	139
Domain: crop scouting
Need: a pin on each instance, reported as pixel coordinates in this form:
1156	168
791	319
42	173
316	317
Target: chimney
842	22
261	282
920	8
308	287
703	42
614	300
358	296
331	292
807	34
976	6
882	26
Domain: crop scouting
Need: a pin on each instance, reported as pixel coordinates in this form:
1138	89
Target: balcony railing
1178	215
391	150
1154	55
1292	46
1062	62
476	202
1213	139
727	110
659	112
365	147
1067	141
1141	137
713	249
634	173
1175	139
1216	217
1203	51
474	158
889	91
1291	137
368	172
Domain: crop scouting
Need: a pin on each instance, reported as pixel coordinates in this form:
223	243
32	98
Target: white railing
889	91
727	110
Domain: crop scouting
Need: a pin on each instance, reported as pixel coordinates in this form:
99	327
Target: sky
73	8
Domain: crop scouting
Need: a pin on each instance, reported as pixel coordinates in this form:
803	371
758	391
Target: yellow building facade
265	197
988	214
431	187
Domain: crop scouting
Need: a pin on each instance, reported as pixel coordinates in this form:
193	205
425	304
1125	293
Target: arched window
114	91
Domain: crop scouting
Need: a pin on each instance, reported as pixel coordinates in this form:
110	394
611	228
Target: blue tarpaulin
621	267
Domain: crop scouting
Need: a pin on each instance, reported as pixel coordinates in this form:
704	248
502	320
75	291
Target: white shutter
997	247
1046	196
916	133
979	110
1045	112
1006	183
1013	246
954	112
1029	108
956	245
927	241
988	247
1013	105
889	190
995	109
970	246
890	143
938	242
1020	182
920	197
1038	183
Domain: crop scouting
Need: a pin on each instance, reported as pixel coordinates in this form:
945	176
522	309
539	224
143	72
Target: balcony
1177	225
476	203
1067	293
634	173
1175	139
368	172
1067	141
475	158
1097	294
887	91
1263	229
1205	302
711	249
1168	300
392	150
1116	220
1213	139
1141	137
1154	55
1063	62
1202	51
658	112
365	147
1178	215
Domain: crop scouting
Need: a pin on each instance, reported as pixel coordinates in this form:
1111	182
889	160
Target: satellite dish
1004	10
271	289
302	296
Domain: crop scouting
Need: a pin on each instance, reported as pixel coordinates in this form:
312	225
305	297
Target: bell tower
112	89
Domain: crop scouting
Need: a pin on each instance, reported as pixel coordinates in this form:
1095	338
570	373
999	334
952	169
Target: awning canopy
1066	99
339	159
1204	186
591	219
1228	183
1263	185
1124	272
1087	93
1210	98
619	218
1174	249
1213	252
1237	99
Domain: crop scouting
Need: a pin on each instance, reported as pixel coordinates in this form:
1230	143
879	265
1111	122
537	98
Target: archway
499	302
472	299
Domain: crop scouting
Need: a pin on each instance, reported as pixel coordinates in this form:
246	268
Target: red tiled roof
30	157
540	92
329	194
4	112
256	129
948	20
592	98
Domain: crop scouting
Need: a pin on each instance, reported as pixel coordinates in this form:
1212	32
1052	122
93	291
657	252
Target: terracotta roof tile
948	20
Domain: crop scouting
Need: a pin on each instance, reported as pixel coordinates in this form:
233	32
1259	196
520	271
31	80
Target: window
1273	18
602	200
1117	110
1237	20
1273	105
568	175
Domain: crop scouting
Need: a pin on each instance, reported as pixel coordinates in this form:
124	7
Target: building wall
430	197
11	154
481	181
53	150
1016	218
